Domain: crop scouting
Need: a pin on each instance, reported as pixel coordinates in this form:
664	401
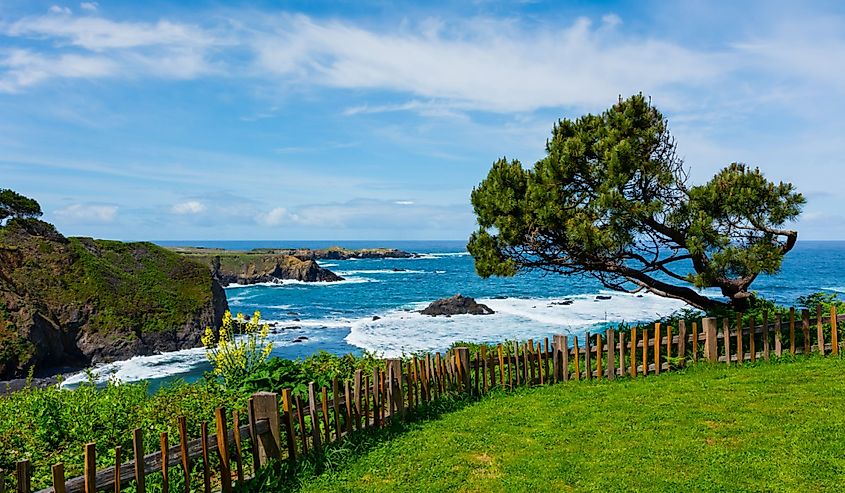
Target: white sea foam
169	364
143	367
835	289
401	331
327	265
437	255
329	323
379	271
294	282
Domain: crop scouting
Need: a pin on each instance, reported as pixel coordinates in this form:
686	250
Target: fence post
90	467
287	409
165	461
266	406
611	354
588	365
138	451
463	368
394	388
315	418
564	364
222	449
556	352
834	334
708	325
23	472
682	341
622	366
58	471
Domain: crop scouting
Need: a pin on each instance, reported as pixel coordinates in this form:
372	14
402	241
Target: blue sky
354	120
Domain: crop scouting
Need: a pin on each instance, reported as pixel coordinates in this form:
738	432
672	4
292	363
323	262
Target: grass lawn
770	427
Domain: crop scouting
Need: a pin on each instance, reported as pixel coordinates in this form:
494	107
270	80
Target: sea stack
457	305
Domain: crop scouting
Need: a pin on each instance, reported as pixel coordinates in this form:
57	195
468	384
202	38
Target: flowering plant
240	346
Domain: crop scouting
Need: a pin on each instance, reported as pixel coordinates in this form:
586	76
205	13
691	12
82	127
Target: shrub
239	348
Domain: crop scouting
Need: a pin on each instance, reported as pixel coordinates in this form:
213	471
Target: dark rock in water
398	270
562	303
500	297
300	339
296	320
639	296
603	297
376	317
456	305
293	313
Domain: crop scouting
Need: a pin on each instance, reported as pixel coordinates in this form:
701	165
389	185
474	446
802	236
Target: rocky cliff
331	253
71	302
252	268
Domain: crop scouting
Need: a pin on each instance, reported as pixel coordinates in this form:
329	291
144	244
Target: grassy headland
71	301
763	427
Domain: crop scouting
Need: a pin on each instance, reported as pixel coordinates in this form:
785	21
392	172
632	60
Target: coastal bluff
68	303
253	268
262	265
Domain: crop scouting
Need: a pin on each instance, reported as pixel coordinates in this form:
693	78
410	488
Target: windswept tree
13	204
611	200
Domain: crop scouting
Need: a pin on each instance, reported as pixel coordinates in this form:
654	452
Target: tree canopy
13	204
611	200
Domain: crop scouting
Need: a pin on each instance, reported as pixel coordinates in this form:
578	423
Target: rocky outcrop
457	305
67	303
332	253
338	253
252	268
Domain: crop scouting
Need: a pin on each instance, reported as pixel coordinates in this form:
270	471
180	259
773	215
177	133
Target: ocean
373	309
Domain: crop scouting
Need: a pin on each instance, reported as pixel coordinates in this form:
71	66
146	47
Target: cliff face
252	268
72	302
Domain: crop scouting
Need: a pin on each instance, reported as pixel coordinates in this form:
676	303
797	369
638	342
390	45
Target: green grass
773	427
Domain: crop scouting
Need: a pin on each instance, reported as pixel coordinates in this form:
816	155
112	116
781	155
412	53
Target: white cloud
484	64
94	47
56	9
22	68
276	217
404	202
101	213
91	6
99	34
190	207
381	214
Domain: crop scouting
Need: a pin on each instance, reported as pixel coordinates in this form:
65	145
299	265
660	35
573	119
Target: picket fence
285	428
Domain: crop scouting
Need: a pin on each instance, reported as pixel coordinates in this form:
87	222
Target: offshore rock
456	305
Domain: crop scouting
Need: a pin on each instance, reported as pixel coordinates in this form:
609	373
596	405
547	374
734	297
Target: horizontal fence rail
287	426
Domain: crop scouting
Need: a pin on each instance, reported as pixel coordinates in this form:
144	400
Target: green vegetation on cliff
73	301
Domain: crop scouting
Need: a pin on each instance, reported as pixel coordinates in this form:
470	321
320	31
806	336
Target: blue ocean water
373	309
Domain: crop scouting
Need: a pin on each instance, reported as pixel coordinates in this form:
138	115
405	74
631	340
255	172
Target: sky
374	120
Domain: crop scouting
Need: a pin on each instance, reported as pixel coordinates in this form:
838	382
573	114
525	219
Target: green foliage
15	205
611	200
822	300
321	368
52	425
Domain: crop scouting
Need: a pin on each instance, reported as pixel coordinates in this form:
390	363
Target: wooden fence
284	427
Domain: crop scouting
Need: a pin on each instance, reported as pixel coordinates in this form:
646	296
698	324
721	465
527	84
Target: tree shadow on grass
291	476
